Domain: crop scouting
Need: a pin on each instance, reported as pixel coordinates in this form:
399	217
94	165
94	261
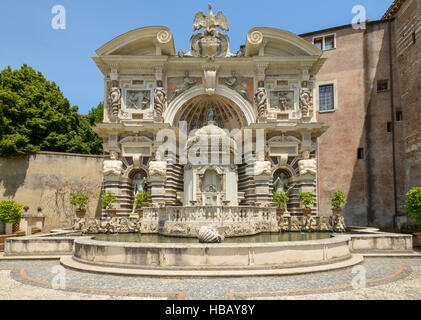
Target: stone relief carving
306	101
282	100
235	84
115	98
113	167
188	83
136	99
261	100
158	168
160	100
307	165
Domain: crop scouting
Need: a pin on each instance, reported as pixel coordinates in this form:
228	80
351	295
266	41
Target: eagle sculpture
210	22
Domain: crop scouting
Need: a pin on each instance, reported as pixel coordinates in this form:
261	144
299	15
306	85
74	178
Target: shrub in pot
108	199
281	199
80	201
337	201
308	200
413	206
11	213
140	199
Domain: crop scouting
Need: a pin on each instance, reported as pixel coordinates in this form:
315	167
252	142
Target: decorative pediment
149	41
276	42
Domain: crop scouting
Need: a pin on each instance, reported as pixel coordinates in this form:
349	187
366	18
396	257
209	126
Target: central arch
225	97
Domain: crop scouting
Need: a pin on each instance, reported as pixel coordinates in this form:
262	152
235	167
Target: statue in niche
210	117
138	183
306	101
282	184
186	85
115	98
113	167
261	100
160	100
307	165
235	84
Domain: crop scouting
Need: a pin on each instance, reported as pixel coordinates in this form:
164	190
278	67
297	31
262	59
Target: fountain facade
209	133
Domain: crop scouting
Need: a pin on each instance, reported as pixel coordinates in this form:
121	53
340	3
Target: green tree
35	116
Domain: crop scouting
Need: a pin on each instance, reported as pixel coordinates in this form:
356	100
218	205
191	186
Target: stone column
262	177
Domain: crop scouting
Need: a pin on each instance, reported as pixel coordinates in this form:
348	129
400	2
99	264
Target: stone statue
113	167
282	184
160	101
261	100
115	98
210	117
210	22
306	101
138	183
187	84
262	168
307	165
235	84
209	235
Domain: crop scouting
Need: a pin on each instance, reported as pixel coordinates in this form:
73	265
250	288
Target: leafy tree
35	116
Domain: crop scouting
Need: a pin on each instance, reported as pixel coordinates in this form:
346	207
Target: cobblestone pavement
386	278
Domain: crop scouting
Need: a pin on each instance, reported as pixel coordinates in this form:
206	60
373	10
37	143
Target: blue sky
64	56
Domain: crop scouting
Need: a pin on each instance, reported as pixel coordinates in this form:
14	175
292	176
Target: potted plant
108	199
281	199
10	213
413	207
337	201
140	199
79	201
308	200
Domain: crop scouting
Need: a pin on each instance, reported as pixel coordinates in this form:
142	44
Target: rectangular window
414	37
399	116
382	85
319	43
329	42
360	153
389	127
326	98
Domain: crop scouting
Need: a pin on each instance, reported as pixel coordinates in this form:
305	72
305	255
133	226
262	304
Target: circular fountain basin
195	259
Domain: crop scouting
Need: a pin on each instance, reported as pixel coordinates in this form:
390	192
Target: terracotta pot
80	213
336	211
306	212
112	213
280	211
15	227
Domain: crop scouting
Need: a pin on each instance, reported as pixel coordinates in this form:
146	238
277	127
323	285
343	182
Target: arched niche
229	101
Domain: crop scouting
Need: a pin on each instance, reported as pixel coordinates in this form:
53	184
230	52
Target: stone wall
408	22
360	120
46	180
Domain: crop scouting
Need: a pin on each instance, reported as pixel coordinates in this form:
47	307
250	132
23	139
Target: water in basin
264	237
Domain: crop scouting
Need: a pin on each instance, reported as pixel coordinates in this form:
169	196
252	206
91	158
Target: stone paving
386	278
